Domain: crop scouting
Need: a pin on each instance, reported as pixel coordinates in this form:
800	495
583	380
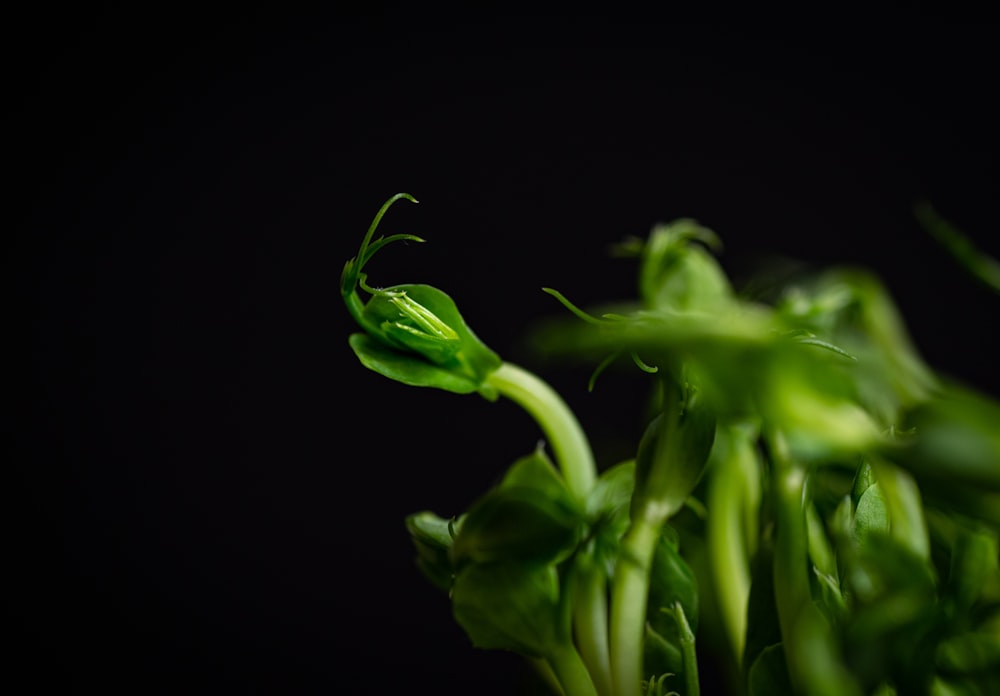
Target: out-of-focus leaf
955	441
672	456
768	675
510	606
969	653
677	273
671	581
871	515
608	512
975	567
432	537
517	523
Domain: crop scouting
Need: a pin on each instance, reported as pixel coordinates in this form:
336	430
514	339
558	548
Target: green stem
733	488
590	618
629	595
562	429
576	461
571	672
688	654
814	667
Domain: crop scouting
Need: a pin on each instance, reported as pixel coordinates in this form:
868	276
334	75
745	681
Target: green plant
804	482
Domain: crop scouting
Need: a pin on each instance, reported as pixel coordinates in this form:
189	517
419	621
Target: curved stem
562	429
576	461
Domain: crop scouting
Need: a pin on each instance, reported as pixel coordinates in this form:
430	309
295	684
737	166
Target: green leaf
402	367
536	471
672	456
509	606
608	513
520	524
969	653
768	675
956	441
679	275
414	333
895	618
975	567
871	515
432	537
671	582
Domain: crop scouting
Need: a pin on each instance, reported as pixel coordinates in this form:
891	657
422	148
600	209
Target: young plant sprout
809	503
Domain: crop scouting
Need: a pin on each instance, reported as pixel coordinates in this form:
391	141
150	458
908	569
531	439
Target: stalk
689	656
732	488
563	431
575	459
629	595
590	620
571	672
810	652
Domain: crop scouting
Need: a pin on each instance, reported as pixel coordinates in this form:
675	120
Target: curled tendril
352	276
605	319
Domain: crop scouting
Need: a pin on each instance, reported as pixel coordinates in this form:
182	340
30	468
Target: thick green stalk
575	459
590	619
733	488
569	443
571	672
809	646
629	595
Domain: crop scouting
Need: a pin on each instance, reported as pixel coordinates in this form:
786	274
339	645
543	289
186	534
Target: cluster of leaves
805	485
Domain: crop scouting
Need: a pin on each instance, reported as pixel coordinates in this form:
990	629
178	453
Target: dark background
206	490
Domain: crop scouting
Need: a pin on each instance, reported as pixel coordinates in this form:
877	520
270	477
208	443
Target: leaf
432	537
871	515
608	512
672	456
975	565
509	606
955	441
678	275
414	333
405	368
768	675
671	582
425	321
536	471
969	653
518	524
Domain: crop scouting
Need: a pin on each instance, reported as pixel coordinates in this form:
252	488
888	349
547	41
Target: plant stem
571	672
590	618
575	459
562	429
733	498
809	647
629	595
689	656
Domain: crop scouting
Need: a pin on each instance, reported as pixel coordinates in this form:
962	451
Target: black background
206	490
